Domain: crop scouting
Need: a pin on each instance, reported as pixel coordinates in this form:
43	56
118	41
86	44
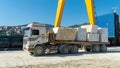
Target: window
27	32
35	32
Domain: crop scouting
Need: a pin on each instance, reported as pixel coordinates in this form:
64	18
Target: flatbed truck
37	42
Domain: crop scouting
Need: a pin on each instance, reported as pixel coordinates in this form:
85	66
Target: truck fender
37	44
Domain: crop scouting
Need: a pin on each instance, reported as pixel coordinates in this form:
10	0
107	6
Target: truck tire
74	49
64	49
39	51
87	49
96	48
103	48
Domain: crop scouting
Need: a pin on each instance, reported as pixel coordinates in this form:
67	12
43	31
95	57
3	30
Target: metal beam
90	11
59	13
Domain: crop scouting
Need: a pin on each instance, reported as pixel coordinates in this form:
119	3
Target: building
110	21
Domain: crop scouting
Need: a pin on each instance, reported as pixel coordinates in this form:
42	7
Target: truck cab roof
35	25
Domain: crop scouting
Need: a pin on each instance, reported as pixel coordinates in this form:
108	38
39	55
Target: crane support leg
59	13
90	11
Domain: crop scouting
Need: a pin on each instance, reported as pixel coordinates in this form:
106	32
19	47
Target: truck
11	42
11	37
38	41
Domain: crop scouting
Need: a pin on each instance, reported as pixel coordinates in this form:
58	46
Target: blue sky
18	12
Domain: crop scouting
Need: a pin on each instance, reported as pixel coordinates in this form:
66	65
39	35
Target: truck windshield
27	32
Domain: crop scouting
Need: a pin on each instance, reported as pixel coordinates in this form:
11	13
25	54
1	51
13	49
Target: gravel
22	59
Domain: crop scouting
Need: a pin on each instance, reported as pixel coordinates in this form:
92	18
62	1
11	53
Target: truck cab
34	34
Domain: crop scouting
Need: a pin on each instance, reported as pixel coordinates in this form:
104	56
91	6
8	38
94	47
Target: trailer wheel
39	51
96	48
103	48
64	49
74	49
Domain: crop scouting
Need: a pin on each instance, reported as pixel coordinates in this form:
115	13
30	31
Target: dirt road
21	59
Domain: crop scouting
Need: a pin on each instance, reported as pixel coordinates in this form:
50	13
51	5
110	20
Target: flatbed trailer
79	43
65	47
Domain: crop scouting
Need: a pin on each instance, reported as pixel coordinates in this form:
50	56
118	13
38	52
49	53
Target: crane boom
59	13
90	11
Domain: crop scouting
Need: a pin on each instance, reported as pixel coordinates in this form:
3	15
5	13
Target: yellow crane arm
59	13
90	11
60	8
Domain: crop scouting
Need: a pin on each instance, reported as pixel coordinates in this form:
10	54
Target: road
21	59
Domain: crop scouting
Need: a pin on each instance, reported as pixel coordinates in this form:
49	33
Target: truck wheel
74	49
103	48
87	49
96	48
64	49
39	51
